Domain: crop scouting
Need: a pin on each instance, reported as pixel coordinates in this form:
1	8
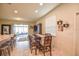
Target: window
20	29
50	25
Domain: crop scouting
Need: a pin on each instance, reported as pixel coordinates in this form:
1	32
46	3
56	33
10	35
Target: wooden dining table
5	38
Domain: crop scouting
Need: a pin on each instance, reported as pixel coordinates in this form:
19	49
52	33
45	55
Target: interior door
77	34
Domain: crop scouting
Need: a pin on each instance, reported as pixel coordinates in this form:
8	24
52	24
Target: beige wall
11	22
65	40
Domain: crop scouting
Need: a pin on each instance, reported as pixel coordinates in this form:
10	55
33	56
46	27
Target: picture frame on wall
5	29
38	28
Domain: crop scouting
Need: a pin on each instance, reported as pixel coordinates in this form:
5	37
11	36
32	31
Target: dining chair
47	43
5	49
38	42
46	46
32	43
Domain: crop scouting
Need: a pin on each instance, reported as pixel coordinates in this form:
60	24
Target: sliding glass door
21	31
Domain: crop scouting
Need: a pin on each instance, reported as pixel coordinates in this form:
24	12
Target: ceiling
25	11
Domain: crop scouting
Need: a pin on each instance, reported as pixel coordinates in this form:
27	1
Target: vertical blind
20	29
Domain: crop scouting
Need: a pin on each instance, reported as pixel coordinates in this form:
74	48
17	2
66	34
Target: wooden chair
12	43
5	49
46	47
47	43
32	44
8	43
38	42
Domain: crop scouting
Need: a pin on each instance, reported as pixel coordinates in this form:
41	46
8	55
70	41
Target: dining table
5	38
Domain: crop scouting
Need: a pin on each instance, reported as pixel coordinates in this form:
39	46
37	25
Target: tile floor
22	49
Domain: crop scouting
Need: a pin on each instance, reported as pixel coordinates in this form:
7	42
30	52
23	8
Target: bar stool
32	44
4	50
13	43
9	47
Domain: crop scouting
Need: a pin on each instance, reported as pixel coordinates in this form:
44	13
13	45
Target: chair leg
5	52
31	50
50	52
8	51
35	51
0	52
44	53
44	50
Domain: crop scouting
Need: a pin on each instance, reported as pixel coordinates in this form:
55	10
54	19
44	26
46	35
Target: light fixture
17	18
41	4
15	11
36	11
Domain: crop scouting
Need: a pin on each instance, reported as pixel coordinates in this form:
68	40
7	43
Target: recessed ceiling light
41	4
15	11
36	11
